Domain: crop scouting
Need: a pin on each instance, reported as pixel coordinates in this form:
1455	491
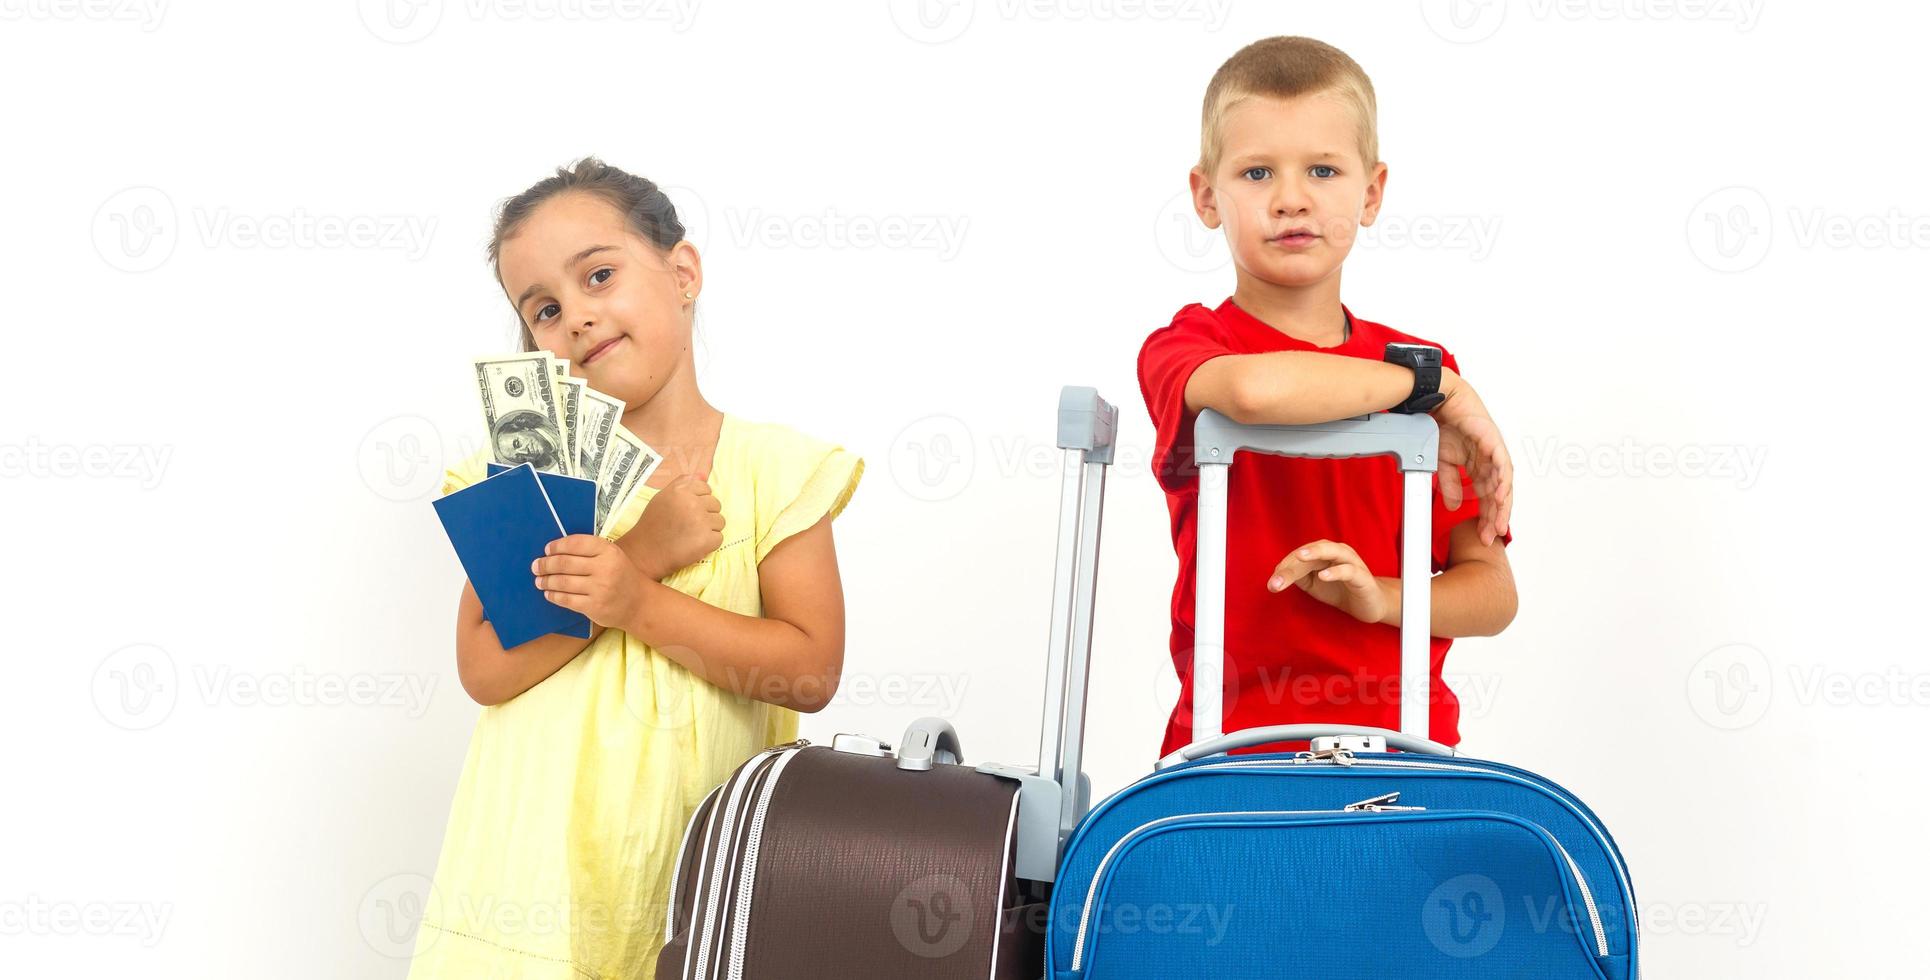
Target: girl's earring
687	295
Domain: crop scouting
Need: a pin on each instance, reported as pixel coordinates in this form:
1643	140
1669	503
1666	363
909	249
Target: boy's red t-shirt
1290	658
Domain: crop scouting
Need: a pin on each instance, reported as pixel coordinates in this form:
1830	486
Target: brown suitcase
856	861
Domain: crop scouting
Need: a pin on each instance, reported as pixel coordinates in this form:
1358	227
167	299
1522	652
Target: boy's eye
1330	172
1256	173
606	272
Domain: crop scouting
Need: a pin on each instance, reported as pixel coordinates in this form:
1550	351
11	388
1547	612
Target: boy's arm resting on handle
1303	387
492	675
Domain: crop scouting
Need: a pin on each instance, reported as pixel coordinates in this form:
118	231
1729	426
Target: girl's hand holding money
683	523
592	576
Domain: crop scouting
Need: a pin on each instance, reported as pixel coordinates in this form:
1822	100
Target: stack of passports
500	526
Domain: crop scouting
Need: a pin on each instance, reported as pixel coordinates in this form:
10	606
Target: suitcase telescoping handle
1414	442
1055	794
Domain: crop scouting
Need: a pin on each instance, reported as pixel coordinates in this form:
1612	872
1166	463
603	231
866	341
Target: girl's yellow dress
557	860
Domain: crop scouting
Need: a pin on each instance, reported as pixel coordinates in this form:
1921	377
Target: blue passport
498	527
573	497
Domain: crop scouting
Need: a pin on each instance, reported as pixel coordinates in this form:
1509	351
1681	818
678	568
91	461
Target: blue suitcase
1345	861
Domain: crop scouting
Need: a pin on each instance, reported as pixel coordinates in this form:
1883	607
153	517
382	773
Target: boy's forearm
1299	387
1469	599
492	675
760	658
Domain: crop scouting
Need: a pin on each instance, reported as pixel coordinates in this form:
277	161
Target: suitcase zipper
700	950
741	920
1098	873
1345	757
1372	805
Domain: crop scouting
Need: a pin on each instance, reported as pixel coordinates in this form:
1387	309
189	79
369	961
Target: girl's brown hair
643	203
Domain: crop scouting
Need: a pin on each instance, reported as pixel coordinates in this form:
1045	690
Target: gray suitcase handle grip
1296	733
1414	441
929	740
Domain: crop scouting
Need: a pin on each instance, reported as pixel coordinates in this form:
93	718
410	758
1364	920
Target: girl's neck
681	425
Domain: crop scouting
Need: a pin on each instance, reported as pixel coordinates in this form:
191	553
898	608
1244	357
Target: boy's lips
599	350
1297	238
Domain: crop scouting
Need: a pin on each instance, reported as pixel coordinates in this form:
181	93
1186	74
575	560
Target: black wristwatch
1425	362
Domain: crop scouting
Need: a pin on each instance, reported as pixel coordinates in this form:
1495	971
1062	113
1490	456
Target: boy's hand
593	576
1470	438
681	524
1333	573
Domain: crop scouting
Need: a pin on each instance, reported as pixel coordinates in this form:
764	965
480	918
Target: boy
1289	166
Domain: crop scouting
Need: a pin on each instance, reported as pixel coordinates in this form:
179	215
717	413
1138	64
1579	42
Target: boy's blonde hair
1284	68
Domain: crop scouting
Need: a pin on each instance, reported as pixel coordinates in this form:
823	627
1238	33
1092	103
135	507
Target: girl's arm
492	675
790	656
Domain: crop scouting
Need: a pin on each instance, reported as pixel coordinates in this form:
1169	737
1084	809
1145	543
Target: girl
715	598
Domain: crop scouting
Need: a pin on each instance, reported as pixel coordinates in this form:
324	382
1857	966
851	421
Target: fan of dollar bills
536	413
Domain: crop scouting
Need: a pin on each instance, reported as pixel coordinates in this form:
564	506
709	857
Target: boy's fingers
712	504
1451	487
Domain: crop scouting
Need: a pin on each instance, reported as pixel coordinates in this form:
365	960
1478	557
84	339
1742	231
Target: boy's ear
1376	192
1204	203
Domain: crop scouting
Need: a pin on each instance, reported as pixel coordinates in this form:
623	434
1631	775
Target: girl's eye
544	313
606	272
1330	172
1251	172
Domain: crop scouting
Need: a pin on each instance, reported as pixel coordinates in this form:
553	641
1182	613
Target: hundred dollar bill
570	399
627	464
521	411
596	418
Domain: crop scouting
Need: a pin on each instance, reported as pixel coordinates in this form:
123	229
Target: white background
1662	238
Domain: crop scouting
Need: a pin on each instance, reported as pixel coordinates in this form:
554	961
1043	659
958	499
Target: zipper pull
1337	756
1379	804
